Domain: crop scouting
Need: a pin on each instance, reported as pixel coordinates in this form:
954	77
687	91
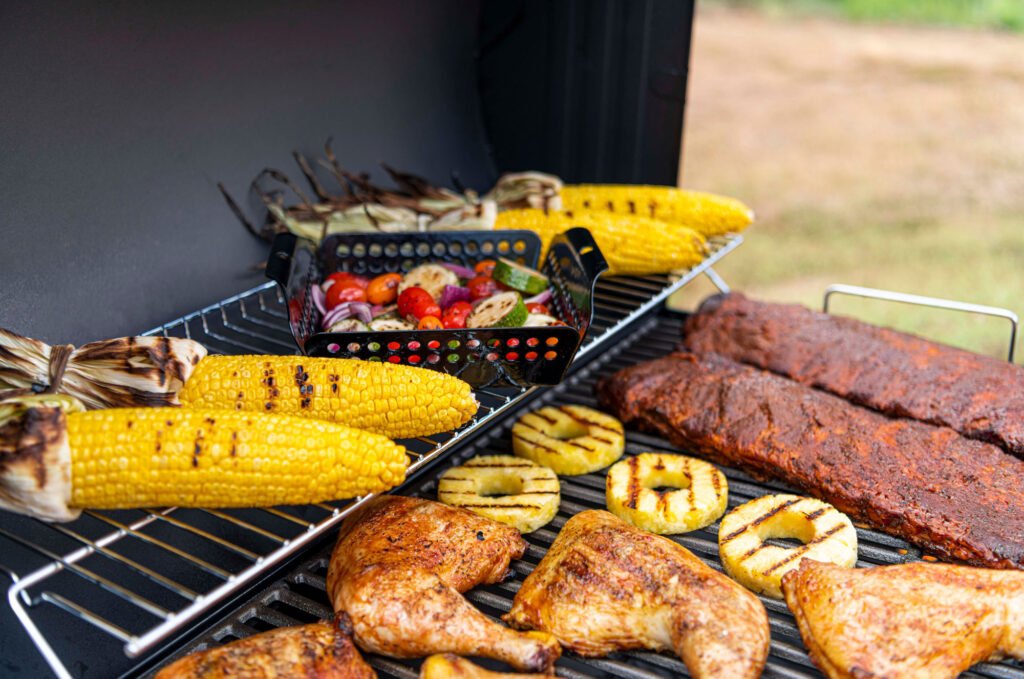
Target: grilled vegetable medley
493	294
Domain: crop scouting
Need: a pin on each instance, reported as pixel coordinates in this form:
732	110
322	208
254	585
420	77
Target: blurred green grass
1004	14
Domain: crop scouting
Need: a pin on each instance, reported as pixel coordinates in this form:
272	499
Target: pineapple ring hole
787	530
665	481
499	482
567	430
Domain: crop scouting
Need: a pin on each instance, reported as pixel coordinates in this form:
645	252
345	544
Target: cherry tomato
347	279
455	316
339	294
481	286
383	289
429	323
485	267
536	308
417	302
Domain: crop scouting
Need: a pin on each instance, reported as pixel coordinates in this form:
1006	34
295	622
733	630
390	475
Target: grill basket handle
593	262
279	261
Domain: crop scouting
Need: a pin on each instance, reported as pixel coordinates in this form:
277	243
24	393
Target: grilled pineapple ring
701	499
514	491
827	534
571	440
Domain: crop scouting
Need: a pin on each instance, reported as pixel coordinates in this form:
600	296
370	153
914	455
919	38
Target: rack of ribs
889	371
957	498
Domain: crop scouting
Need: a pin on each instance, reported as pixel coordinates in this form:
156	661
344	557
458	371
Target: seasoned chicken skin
321	650
606	586
399	569
914	620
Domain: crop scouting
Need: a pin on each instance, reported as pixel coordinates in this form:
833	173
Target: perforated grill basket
484	356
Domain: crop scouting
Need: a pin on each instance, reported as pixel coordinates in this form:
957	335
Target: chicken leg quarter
606	586
399	569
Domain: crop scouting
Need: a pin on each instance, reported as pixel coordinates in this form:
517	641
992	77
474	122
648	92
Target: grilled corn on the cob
632	245
826	532
514	491
706	213
145	457
397	401
701	498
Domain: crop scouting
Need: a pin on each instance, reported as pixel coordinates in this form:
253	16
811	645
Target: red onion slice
362	311
540	298
319	299
338	313
460	271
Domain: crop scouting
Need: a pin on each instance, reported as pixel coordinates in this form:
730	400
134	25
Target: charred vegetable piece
518	277
504	310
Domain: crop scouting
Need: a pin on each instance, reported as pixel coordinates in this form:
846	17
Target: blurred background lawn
881	143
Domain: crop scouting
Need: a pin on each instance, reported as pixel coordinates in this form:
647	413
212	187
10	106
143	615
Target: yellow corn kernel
154	457
398	401
707	213
632	245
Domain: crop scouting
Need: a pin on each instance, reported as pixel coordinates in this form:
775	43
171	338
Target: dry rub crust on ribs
957	498
892	372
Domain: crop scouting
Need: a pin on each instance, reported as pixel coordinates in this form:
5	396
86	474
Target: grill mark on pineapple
544	417
585	421
716	482
798	551
816	513
536	444
634	483
759	520
500	506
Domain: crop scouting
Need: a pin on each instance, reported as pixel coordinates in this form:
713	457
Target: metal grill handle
920	300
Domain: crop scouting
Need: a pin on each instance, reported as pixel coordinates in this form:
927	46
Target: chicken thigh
917	620
398	571
607	586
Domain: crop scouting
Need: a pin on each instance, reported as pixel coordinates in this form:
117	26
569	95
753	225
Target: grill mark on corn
798	551
759	520
634	483
632	206
269	381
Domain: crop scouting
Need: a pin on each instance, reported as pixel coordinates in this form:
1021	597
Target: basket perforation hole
406	249
531	355
376	359
414	359
492	356
532	342
455	249
354	347
334	347
487	247
359	250
343	250
492	343
391	250
373	346
452	358
473	343
504	247
422	250
413	346
454	344
472	248
395	359
551	341
394	346
512	356
550	355
433	358
439	249
375	249
407	264
375	267
519	246
512	342
433	344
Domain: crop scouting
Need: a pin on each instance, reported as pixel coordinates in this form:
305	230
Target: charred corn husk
147	457
123	372
397	401
632	245
707	213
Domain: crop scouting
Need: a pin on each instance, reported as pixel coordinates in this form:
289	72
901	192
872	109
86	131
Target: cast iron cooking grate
300	596
100	594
